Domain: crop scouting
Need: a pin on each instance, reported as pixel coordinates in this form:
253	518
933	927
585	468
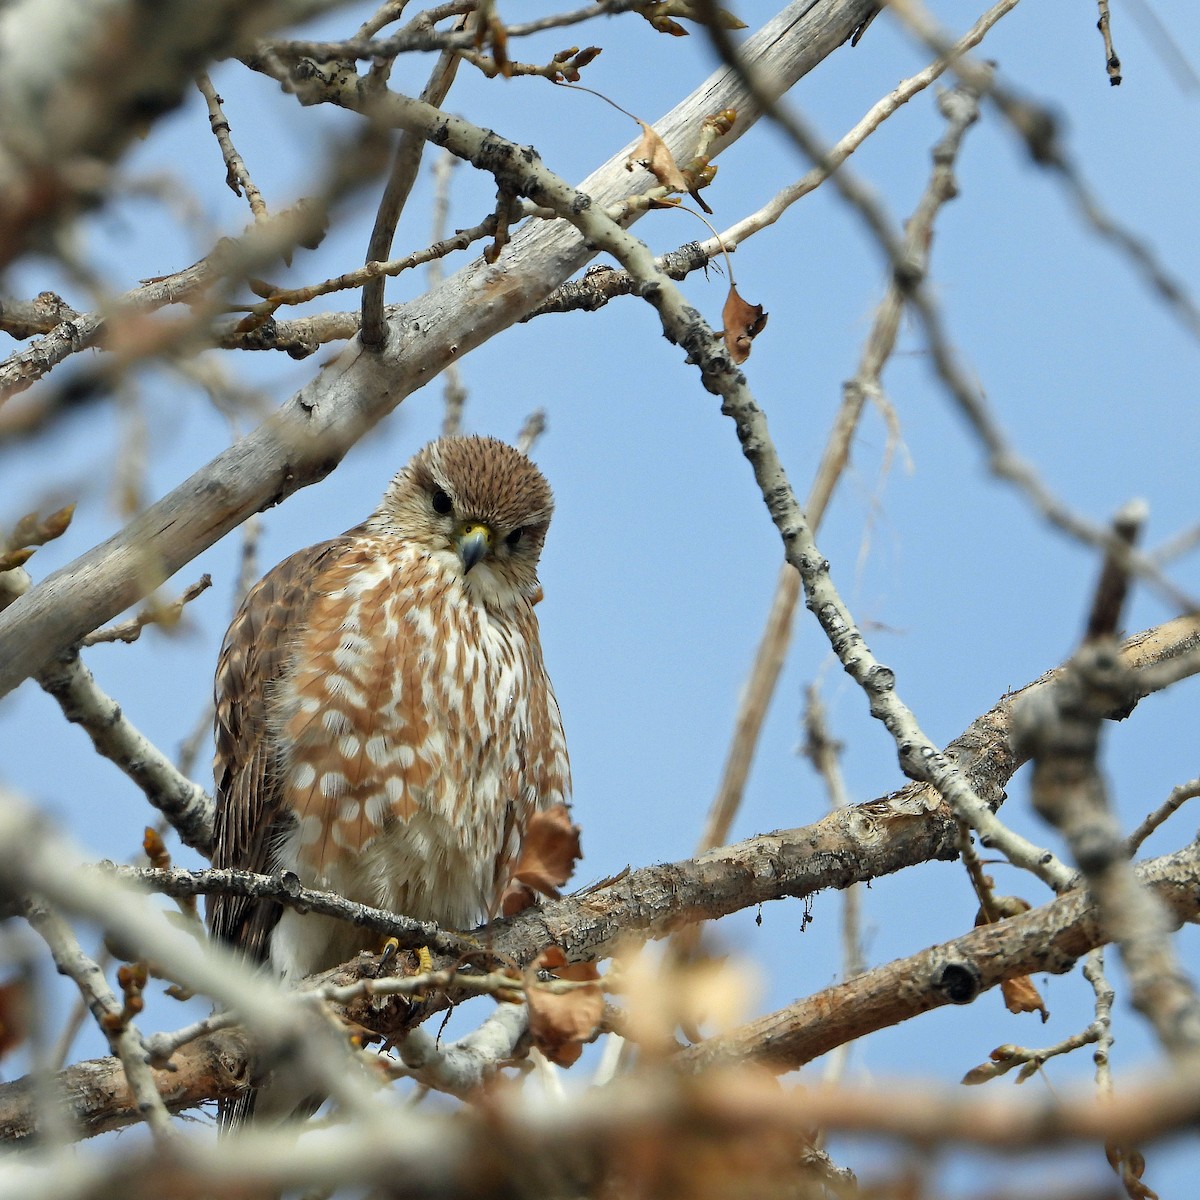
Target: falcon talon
390	949
385	726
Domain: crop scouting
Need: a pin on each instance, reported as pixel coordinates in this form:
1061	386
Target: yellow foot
390	949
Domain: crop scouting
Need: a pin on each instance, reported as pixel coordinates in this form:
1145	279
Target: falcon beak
474	541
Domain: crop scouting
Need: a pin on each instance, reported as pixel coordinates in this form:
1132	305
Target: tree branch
306	438
1050	938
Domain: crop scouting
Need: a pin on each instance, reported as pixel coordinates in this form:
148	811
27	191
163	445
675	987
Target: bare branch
1061	728
166	615
1049	939
114	1022
306	438
182	802
961	111
405	165
237	175
1178	797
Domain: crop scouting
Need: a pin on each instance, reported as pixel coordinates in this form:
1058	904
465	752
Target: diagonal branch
181	801
308	436
1050	938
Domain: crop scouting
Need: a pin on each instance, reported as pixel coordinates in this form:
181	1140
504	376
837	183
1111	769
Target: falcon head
479	507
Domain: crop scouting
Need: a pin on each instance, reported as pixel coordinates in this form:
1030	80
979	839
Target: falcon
385	727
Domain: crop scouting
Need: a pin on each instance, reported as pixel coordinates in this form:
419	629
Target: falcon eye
514	537
441	502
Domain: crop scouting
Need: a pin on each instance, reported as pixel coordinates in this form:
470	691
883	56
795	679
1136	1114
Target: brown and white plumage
385	725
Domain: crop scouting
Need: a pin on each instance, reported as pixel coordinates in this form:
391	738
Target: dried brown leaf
1130	1164
14	1014
743	323
561	1022
1021	996
498	36
155	849
652	153
549	852
516	899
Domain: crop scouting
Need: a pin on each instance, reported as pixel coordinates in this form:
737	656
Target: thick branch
307	437
1050	939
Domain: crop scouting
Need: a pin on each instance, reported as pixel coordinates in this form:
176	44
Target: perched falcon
385	726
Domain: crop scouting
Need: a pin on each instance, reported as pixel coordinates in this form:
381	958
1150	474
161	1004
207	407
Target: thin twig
531	430
1009	1057
419	34
1093	972
167	615
76	1018
405	165
160	1046
961	113
237	175
1112	64
122	1035
371	270
1178	797
823	752
454	393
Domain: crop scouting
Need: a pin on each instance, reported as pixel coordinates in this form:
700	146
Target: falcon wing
248	766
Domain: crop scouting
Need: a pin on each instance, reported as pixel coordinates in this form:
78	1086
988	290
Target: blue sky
661	560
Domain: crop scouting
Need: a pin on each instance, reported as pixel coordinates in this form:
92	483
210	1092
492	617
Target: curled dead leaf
652	153
1021	996
661	998
14	1014
548	857
561	1022
743	323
